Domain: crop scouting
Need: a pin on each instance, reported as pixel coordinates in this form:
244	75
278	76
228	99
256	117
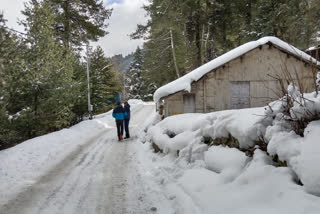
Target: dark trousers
119	127
126	127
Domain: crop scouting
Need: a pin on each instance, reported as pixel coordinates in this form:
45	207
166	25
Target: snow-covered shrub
186	134
295	110
227	161
294	133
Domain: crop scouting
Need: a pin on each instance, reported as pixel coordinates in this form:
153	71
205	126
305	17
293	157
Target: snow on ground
218	179
84	169
301	153
21	165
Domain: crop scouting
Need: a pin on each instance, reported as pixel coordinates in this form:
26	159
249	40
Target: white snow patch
227	161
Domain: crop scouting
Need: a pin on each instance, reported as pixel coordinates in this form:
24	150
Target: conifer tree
79	21
204	29
48	79
103	81
136	83
12	67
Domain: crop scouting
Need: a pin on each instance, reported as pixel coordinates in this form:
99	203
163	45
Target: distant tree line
43	82
181	35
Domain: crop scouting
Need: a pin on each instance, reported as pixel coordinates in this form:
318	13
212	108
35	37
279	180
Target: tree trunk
198	34
66	21
174	55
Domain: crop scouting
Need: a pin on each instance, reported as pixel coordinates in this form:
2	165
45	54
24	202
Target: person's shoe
121	138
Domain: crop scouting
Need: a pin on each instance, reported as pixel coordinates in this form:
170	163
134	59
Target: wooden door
189	105
240	95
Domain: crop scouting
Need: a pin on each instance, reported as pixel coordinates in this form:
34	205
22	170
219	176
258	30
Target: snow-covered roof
311	48
184	82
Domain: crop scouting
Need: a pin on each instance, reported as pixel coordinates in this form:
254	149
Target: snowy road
100	176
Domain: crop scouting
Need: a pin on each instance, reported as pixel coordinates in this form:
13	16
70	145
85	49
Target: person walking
127	119
119	114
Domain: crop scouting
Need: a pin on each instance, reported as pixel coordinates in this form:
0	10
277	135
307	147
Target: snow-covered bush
224	160
288	127
294	134
295	110
185	134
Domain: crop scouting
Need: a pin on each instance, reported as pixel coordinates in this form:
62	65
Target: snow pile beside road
22	165
227	181
260	188
212	178
178	132
301	153
229	162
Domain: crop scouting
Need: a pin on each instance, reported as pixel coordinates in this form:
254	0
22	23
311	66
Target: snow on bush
259	188
227	161
290	126
294	135
186	130
295	110
309	160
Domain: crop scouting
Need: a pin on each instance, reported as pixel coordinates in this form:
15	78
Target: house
250	75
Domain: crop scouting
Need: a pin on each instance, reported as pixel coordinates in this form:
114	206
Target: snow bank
260	188
216	179
300	153
22	165
227	161
135	101
180	131
184	83
309	159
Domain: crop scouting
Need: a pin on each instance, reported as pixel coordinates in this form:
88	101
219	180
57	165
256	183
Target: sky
123	21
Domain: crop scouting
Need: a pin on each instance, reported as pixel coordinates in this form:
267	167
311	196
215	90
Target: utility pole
88	79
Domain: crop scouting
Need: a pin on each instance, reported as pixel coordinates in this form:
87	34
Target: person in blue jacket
127	119
119	114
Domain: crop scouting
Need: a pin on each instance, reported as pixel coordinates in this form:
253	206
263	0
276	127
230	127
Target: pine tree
182	35
79	21
166	45
136	83
12	66
104	83
48	79
80	90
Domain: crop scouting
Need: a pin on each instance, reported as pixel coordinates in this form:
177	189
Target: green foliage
79	21
103	81
205	29
43	82
12	66
137	84
48	76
